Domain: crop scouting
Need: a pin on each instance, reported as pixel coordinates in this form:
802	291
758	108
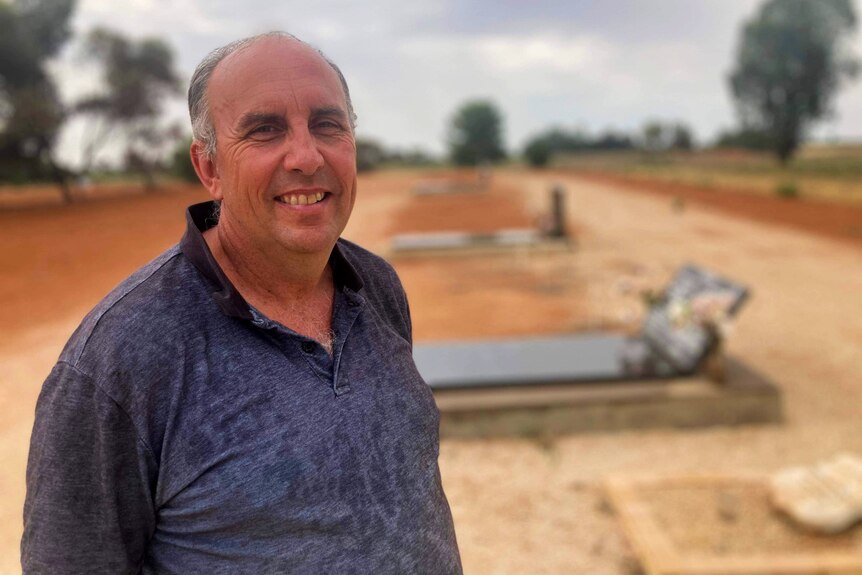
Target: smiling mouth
300	199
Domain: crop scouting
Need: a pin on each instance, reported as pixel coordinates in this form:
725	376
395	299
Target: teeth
300	200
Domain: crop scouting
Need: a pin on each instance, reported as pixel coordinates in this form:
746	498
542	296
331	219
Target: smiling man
247	402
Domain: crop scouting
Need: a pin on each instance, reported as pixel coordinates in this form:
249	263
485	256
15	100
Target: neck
295	289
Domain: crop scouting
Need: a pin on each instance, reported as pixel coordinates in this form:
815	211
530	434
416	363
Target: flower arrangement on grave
709	311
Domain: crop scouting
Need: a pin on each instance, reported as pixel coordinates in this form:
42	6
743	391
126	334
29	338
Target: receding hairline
203	129
324	62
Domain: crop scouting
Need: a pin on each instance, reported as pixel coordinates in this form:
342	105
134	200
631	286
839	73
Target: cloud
411	64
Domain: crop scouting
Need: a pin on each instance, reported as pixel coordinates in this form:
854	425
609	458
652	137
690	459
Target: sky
594	65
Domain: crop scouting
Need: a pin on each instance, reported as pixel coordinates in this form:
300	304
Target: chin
309	245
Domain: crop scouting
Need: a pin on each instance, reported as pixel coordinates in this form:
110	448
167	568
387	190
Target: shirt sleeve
90	478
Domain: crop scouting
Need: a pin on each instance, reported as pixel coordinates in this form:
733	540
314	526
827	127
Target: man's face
285	166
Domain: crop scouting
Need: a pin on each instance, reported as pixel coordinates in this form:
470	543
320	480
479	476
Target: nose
302	154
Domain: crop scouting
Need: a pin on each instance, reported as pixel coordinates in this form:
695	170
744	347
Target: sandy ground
520	505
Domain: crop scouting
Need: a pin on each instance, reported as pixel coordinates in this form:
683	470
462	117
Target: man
247	402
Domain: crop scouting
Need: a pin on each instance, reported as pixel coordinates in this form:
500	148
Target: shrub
787	190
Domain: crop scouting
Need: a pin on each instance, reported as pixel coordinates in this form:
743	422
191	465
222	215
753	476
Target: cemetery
633	399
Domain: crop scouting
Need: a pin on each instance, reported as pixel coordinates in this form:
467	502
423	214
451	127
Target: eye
327	125
264	132
264	129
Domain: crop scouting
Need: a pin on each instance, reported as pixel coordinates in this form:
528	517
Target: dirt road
520	506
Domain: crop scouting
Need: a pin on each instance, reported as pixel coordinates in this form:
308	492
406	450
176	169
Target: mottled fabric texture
182	432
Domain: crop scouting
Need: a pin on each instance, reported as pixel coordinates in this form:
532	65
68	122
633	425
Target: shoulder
377	275
137	319
368	265
382	287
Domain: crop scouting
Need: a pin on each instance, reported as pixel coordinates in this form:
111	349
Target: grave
551	237
673	373
438	186
542	410
710	525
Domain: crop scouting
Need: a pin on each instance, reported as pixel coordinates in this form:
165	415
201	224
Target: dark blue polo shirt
182	432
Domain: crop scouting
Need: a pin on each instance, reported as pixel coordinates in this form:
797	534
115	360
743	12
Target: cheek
249	177
344	162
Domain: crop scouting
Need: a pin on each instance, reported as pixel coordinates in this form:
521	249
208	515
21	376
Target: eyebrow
330	112
252	119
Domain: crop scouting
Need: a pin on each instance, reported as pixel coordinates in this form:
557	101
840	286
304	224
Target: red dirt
835	221
59	256
498	207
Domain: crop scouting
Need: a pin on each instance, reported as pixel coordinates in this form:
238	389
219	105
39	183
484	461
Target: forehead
273	73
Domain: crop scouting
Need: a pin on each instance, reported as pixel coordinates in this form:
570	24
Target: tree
369	154
539	149
745	138
681	137
31	31
791	60
137	77
538	152
655	137
476	134
181	161
662	136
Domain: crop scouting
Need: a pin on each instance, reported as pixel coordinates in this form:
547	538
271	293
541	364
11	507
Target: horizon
576	66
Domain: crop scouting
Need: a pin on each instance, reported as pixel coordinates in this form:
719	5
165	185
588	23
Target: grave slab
465	243
711	525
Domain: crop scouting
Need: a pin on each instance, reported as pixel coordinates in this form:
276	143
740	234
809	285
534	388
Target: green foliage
660	136
654	137
369	154
791	60
137	76
538	152
31	31
541	148
787	190
744	138
476	134
181	161
681	138
415	157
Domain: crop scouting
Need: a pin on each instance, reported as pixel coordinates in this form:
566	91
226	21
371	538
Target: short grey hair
203	129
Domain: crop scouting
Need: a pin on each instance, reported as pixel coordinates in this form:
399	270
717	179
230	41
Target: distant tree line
656	136
539	149
137	77
371	155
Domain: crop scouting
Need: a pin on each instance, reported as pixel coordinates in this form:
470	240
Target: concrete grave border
746	397
659	556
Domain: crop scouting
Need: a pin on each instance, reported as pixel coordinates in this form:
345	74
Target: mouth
296	199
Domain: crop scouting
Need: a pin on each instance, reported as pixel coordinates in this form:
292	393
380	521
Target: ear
206	169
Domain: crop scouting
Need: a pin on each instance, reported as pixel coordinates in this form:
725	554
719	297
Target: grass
830	173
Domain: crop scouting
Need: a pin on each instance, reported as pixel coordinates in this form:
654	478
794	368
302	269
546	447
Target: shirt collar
200	218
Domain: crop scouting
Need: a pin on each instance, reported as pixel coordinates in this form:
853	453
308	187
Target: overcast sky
576	63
